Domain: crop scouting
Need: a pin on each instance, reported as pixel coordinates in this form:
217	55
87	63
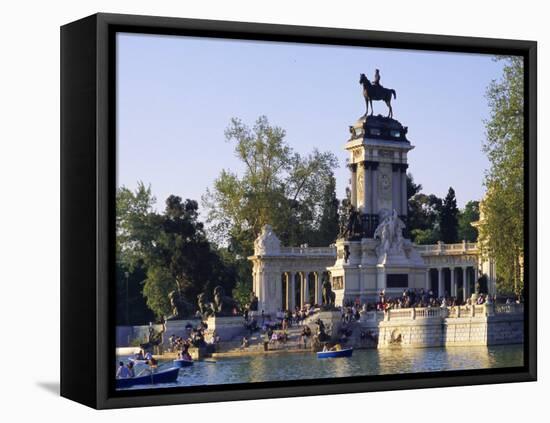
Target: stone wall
129	335
441	327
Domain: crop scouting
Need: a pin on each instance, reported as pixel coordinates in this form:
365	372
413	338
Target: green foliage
448	219
241	293
131	307
501	229
170	248
470	214
426	236
424	214
432	219
328	223
158	284
293	193
136	225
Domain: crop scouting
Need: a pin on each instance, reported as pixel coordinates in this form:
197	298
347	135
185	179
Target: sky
176	96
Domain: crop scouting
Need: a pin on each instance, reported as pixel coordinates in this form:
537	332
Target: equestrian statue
375	91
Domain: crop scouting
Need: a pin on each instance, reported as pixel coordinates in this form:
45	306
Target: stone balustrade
308	251
485	324
442	248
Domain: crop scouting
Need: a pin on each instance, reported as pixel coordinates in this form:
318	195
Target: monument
373	253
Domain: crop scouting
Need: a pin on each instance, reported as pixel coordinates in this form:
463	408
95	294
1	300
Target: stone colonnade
300	288
447	280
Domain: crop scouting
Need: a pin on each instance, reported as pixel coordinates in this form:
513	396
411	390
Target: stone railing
454	312
442	248
309	251
508	308
372	316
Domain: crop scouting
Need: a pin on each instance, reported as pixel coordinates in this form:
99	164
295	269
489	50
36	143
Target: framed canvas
258	211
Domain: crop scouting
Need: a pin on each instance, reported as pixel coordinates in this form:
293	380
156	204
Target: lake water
292	366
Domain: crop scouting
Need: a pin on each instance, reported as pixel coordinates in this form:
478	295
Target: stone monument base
226	327
178	328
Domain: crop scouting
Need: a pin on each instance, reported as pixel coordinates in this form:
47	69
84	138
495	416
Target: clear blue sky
176	95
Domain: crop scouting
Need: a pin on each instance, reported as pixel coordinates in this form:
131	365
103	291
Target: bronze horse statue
376	92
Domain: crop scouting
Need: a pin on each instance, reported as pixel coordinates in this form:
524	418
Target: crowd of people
418	298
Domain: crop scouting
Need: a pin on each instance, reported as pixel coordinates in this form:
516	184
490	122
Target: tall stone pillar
353	168
367	188
305	289
404	205
374	179
440	282
465	282
396	187
453	282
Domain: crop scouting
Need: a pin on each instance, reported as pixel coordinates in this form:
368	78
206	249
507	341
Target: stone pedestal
226	327
366	270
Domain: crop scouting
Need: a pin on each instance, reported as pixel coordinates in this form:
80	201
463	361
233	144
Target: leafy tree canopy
501	229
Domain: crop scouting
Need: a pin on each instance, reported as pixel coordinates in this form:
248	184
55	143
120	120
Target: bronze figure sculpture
205	307
329	297
180	307
223	305
375	91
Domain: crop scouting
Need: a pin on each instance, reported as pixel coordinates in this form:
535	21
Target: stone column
367	187
305	292
396	187
404	207
453	283
291	290
440	282
353	168
374	180
465	282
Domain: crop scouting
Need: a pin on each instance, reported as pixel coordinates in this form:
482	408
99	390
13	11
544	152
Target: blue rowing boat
183	363
165	376
335	354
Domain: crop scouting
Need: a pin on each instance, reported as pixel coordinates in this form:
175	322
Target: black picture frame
88	148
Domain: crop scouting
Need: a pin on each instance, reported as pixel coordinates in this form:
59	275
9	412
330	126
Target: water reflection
276	367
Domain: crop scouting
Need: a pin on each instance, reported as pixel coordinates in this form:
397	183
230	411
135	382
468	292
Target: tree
137	226
501	226
278	187
449	218
328	223
466	217
169	249
423	214
412	187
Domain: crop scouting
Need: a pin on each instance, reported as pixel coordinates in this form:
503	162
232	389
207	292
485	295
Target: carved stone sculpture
390	234
267	242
